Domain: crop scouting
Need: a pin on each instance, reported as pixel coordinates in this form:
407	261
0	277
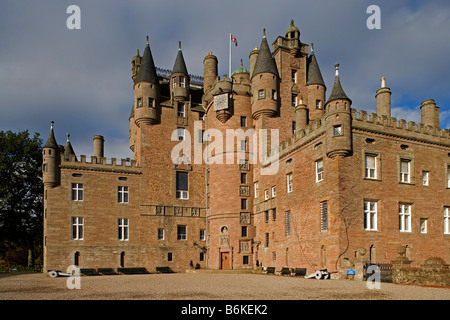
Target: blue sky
81	79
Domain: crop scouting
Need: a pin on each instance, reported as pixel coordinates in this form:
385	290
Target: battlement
399	128
100	164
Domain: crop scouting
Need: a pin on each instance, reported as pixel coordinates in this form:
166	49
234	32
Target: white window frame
404	217
182	82
405	176
446	220
202	235
181	133
370	171
77	192
261	94
122	194
337	131
289	181
423	225
425	178
266	194
294	100
274	191
182	194
370	215
77	228
294	75
256	189
448	176
181	110
319	170
123	229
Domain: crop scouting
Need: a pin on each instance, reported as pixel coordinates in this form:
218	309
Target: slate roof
265	61
147	70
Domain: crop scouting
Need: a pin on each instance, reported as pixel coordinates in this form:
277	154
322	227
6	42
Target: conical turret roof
265	61
314	74
68	150
147	70
337	92
51	141
180	65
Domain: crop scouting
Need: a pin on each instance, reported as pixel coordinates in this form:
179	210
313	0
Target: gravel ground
205	286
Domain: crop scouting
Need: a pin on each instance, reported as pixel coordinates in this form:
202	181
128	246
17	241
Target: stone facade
343	179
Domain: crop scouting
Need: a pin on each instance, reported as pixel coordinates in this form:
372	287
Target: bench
300	272
163	270
132	270
106	271
88	272
270	270
285	271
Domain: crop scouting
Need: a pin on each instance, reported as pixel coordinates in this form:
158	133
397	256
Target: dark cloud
81	79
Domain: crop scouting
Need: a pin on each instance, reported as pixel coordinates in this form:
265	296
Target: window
122	194
266	216
150	102
405	171
245	260
261	94
404	217
266	194
244	204
174	82
243	145
160	234
319	170
255	187
139	102
274	214
77	228
182	185
274	191
274	254
123	229
243	177
267	240
288	223
323	216
338	130
202	234
169	256
370	215
371	166
294	100
423	225
244	231
202	256
181	232
289	182
294	75
318	104
294	127
200	132
182	82
181	110
447	220
448	176
77	191
274	94
425	178
180	134
243	122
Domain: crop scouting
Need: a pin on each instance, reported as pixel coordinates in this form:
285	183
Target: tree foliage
21	188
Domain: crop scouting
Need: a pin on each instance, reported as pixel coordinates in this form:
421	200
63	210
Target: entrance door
225	262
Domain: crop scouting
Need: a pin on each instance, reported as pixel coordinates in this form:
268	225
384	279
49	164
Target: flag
234	40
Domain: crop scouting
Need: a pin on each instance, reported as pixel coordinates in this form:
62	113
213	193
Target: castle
343	179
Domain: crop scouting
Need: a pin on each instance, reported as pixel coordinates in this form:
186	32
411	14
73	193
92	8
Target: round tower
135	64
210	72
265	83
146	91
179	79
383	98
338	121
430	114
316	88
51	161
301	115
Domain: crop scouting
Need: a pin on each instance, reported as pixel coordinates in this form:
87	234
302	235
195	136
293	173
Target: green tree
21	201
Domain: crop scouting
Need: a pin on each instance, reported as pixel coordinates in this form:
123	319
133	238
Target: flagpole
229	63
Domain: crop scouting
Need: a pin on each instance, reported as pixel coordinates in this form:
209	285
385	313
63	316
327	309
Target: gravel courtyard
204	286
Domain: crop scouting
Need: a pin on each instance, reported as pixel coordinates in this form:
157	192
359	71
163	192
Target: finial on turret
242	64
68	137
147	39
312	47
264	32
51	124
292	22
336	66
137	51
179	45
383	82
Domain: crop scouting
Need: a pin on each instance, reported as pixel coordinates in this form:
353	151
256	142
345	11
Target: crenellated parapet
100	164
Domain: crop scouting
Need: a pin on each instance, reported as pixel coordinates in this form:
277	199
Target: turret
209	71
265	83
430	114
301	115
146	91
316	88
293	38
99	143
51	161
68	150
383	98
135	64
338	121
179	79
